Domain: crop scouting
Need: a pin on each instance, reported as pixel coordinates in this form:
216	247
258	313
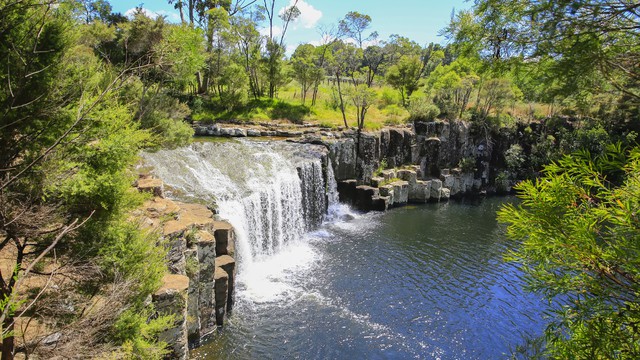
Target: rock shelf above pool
397	187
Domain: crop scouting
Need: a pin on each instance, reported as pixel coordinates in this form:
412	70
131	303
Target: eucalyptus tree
580	42
305	69
249	43
343	61
407	73
275	48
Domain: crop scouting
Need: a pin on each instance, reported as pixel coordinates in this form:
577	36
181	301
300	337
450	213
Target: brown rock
154	186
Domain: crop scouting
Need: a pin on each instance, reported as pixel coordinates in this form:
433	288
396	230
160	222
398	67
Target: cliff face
198	291
428	162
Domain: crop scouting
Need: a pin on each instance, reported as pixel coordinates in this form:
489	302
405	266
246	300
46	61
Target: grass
288	106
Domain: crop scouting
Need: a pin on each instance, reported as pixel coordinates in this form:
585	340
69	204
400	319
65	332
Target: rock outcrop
200	249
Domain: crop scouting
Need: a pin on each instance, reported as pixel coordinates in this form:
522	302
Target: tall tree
275	48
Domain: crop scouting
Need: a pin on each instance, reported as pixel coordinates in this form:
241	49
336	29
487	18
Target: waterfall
272	193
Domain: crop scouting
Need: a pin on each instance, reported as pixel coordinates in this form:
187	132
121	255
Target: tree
452	85
579	238
275	49
304	69
343	61
404	76
354	26
588	39
362	98
67	140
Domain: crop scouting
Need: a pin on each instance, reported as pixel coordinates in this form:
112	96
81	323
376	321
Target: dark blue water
425	282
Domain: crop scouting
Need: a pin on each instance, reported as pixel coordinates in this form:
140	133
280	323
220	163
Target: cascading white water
272	193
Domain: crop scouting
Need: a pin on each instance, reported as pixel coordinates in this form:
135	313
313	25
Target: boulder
436	186
347	191
420	192
387	191
364	197
376	181
444	194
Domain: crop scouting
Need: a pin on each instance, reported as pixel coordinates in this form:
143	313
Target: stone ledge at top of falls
273	129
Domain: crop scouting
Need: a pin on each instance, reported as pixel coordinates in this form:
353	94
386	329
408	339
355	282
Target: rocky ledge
198	290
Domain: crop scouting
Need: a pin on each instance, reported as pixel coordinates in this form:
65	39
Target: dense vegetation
83	89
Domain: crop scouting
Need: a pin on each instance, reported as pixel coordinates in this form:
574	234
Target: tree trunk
344	116
8	343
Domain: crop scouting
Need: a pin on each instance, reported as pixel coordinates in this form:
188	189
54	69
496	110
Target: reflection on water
416	282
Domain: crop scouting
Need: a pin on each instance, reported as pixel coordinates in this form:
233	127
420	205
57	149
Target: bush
467	164
388	97
421	109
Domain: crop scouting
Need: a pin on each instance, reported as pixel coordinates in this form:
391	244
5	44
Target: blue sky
419	20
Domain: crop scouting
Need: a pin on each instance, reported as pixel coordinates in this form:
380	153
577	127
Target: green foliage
137	332
421	109
128	252
515	158
388	97
453	84
234	83
382	166
404	76
164	116
467	164
579	245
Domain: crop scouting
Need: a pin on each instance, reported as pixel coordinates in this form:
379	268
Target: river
419	282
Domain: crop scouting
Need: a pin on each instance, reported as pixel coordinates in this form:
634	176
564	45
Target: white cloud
169	15
309	16
277	31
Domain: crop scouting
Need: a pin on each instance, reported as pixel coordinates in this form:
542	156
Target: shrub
421	109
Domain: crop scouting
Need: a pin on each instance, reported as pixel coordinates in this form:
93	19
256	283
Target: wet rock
347	191
387	191
376	181
343	157
444	194
364	197
253	132
239	132
436	186
420	192
400	192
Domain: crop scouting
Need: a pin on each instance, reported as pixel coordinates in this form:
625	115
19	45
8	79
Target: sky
419	20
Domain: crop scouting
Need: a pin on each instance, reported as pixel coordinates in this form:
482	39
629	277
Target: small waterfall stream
272	193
